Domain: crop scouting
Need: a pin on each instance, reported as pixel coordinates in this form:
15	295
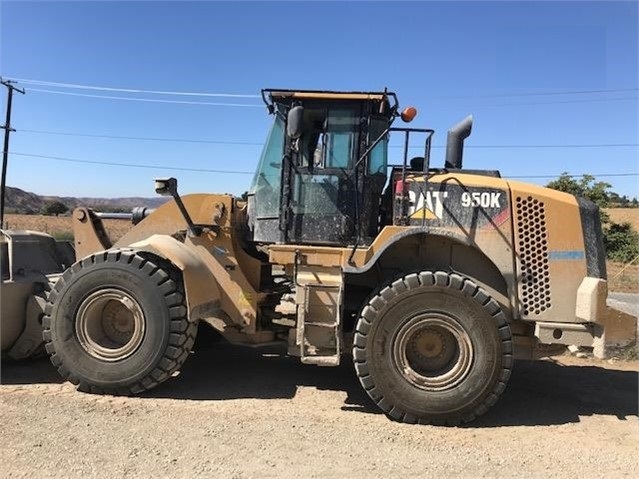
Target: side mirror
166	186
294	122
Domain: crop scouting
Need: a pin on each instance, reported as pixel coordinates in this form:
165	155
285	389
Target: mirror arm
280	115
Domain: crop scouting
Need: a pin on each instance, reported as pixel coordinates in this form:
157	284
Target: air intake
532	248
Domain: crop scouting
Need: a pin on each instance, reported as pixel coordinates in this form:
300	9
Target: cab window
330	139
378	157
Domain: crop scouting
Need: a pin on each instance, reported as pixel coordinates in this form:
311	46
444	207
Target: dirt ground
239	412
622	215
623	278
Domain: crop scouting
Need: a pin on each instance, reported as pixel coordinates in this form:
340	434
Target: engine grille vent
533	253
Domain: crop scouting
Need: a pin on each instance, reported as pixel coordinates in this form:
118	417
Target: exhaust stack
455	142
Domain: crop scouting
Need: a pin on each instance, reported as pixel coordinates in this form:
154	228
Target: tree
55	208
624	201
596	191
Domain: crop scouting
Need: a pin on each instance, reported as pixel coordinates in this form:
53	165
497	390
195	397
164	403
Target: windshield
268	177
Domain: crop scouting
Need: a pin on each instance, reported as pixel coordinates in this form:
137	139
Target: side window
340	150
378	157
331	138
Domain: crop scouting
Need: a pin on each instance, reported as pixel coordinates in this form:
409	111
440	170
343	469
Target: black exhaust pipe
455	142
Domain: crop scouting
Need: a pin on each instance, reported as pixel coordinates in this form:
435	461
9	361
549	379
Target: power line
250	143
142	138
131	90
151	100
205	170
586	100
548	93
233	95
602	145
131	165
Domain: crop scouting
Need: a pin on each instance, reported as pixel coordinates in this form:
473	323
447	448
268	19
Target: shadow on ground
28	371
546	392
539	392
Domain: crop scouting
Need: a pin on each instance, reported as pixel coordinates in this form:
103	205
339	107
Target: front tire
433	347
117	323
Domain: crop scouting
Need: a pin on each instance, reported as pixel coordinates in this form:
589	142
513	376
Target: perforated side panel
532	249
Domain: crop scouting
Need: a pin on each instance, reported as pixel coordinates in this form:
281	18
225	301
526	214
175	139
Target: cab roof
281	95
327	95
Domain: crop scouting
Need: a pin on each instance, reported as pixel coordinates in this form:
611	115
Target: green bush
621	241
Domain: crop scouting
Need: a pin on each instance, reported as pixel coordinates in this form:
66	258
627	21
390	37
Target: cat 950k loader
433	278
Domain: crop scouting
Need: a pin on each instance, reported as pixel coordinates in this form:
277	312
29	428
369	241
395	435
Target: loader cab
319	181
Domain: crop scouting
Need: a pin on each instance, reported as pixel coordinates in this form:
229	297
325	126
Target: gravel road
236	412
626	302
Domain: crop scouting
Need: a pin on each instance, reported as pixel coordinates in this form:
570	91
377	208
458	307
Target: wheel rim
110	324
433	352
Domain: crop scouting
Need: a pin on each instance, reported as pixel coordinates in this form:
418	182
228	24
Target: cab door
323	190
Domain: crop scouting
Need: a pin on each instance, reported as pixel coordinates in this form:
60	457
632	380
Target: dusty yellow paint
463	179
88	233
423	213
202	292
332	256
229	291
564	234
229	288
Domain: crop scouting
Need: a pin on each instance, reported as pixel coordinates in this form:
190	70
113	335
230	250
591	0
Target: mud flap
616	329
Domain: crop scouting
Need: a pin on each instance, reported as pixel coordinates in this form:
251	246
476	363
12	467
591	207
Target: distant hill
24	202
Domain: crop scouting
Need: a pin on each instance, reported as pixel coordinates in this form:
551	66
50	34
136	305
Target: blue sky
447	59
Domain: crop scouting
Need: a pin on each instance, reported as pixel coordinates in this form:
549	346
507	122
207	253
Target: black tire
448	372
90	348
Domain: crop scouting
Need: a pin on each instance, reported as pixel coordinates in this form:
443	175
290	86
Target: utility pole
5	152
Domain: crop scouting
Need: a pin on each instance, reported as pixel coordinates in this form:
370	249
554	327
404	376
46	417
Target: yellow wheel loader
432	278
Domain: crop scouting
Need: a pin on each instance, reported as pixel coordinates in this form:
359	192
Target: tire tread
413	281
182	331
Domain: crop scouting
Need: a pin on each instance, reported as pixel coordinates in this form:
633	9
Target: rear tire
433	347
116	323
